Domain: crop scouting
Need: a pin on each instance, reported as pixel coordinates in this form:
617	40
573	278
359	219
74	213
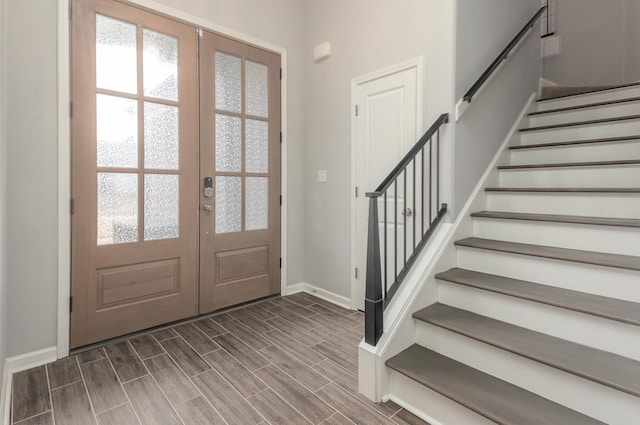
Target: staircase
539	323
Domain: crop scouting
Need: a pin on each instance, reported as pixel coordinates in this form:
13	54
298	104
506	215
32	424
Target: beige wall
599	43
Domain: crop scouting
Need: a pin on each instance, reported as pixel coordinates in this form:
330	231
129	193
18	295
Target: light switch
322	176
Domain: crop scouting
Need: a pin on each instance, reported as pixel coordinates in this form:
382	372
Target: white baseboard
17	364
333	298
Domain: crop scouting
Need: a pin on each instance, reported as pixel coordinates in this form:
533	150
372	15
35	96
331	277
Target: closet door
240	172
134	172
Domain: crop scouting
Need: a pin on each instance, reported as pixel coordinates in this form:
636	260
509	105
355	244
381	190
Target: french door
152	240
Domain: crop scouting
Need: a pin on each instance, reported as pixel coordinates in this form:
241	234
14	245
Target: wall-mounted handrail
468	97
410	202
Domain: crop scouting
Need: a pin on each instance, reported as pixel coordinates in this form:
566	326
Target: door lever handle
207	208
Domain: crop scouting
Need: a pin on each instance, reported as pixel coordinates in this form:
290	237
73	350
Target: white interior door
386	128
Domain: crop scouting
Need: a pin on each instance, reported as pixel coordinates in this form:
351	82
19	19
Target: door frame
419	64
64	148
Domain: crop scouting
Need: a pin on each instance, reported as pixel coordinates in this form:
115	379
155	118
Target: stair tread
495	399
555	218
595	305
596	90
565	189
580	123
587	257
576	142
585	106
571	164
605	368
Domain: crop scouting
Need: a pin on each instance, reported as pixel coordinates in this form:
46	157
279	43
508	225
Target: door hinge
70	109
357	110
72	206
280	262
281	73
280	200
200	33
356	272
357	191
70	304
70	9
281	137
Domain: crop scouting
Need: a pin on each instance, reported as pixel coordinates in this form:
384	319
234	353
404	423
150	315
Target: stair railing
411	191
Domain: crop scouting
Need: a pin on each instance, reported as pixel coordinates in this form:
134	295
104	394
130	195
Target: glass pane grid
228	143
161	206
117	131
116	55
228	82
161	136
256	89
117	208
160	65
257	203
228	204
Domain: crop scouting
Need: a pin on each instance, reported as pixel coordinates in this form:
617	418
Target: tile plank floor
289	360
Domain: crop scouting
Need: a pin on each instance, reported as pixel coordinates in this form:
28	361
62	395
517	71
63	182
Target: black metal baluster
395	231
430	183
422	197
413	229
385	244
404	214
438	173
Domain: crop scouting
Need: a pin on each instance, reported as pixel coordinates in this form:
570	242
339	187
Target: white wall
3	196
365	35
483	30
599	43
32	152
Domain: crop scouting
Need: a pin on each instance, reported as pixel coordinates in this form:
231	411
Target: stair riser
577	153
581	328
585	99
596	177
620	284
582	132
611	111
583	204
595	400
610	239
436	408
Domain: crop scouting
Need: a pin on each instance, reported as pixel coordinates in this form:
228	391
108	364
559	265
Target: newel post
373	303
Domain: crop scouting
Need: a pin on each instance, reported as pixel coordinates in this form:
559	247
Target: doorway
175	172
387	118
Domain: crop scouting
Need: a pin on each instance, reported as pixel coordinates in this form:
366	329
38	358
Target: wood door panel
242	263
240	291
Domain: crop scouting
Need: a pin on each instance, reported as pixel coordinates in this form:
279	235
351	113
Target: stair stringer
420	289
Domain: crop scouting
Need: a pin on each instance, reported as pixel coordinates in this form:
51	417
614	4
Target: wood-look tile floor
289	360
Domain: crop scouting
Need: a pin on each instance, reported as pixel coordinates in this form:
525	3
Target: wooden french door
240	172
152	240
134	170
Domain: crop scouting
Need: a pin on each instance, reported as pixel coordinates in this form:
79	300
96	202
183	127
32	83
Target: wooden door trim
419	64
64	146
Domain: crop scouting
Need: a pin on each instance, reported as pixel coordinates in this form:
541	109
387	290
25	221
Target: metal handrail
418	212
502	56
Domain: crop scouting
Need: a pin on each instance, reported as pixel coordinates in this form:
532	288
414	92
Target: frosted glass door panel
228	143
160	68
257	146
117	208
116	55
117	131
161	137
228	82
161	207
228	204
257	203
257	89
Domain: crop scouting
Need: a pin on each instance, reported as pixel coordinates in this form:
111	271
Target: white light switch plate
322	176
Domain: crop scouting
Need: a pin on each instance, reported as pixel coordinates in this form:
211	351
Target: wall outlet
322	176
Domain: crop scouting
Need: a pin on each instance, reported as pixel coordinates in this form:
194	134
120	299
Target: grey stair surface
608	308
587	257
605	368
553	218
566	189
497	400
552	93
571	164
576	142
581	123
586	106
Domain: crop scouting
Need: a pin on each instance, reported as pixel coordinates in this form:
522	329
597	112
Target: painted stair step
612	370
495	399
608	308
585	106
630	190
627	262
555	218
576	142
580	123
625	162
588	92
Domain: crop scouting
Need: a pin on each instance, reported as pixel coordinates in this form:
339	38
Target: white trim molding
418	63
13	365
64	148
331	297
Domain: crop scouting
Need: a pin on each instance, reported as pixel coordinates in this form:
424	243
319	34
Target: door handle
208	208
407	212
208	187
